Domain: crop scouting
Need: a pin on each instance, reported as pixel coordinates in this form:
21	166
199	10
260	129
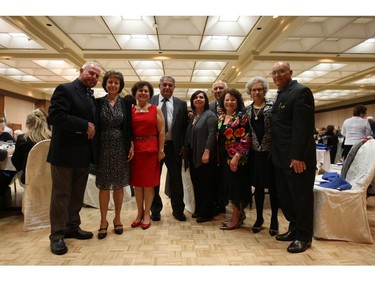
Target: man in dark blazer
294	156
221	200
217	88
72	115
177	118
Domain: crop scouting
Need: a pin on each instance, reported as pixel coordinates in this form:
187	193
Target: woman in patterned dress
149	135
115	149
234	143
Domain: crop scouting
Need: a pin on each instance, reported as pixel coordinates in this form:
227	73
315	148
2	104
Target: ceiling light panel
367	47
122	25
230	26
140	42
209	43
193	25
81	25
182	43
18	42
95	41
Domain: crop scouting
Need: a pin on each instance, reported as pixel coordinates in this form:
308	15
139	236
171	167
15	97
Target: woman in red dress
148	132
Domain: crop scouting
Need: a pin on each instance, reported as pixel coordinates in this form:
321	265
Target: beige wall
337	117
17	110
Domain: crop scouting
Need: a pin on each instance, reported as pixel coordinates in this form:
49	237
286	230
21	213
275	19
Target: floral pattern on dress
237	136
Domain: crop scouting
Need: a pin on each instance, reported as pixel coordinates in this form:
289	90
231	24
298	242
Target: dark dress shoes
79	234
194	215
288	236
58	247
298	246
179	216
155	216
202	219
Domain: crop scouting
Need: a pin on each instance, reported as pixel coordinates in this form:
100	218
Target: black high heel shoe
226	227
274	229
118	231
257	227
102	235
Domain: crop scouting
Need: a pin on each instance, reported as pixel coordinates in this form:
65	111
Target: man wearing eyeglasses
176	116
294	156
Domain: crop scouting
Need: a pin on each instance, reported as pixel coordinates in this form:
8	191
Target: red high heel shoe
145	225
136	223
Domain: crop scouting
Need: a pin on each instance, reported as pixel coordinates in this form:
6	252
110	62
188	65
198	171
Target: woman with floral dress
234	146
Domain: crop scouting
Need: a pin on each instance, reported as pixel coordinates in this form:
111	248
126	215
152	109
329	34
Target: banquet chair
38	185
342	215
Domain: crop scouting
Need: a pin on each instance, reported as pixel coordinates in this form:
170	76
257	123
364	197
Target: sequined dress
113	169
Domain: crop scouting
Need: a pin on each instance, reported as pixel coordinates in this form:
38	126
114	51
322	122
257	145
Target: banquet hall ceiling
333	55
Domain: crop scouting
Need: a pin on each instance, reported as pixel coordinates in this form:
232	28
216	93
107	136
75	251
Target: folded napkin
321	146
334	181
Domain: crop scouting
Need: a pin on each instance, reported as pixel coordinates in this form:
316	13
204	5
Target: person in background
72	115
221	201
201	155
330	139
6	128
38	130
355	128
115	149
148	129
293	152
234	144
372	125
4	136
176	118
16	134
261	168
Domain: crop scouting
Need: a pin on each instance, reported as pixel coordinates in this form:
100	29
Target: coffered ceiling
333	55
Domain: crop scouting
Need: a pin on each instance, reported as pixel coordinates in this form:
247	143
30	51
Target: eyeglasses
259	90
279	72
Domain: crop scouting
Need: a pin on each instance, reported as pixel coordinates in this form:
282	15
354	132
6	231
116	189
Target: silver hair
257	79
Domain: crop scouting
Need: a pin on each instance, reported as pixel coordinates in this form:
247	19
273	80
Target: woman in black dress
261	167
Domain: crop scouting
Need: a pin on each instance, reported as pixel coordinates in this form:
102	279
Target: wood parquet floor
173	243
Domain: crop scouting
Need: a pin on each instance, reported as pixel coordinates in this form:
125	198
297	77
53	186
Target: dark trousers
296	199
174	164
345	150
203	184
68	189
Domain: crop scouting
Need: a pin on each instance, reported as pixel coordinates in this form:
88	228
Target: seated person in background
5	176
37	126
4	136
16	134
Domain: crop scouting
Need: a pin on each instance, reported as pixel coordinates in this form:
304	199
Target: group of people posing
227	147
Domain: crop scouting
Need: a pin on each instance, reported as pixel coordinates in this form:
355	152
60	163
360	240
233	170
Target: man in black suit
221	200
294	156
217	88
72	115
177	118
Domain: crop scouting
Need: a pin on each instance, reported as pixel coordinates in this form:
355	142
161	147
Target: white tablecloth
323	159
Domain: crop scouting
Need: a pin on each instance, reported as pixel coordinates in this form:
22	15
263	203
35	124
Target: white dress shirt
169	105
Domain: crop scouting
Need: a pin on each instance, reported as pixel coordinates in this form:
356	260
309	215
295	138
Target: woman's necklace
143	108
257	111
